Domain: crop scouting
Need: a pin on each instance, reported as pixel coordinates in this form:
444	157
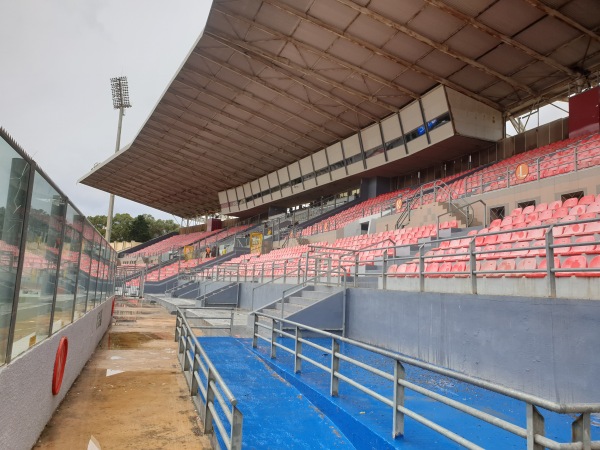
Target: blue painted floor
276	415
286	410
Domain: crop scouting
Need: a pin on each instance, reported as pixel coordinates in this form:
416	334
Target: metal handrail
472	253
194	359
534	432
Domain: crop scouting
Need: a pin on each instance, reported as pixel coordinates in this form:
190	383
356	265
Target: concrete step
303	301
288	309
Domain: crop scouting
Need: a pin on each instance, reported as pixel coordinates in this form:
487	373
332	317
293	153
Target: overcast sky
56	61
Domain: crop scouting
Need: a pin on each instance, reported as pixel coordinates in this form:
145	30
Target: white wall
26	400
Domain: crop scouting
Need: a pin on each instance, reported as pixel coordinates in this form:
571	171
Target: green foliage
140	229
99	223
121	228
159	227
125	228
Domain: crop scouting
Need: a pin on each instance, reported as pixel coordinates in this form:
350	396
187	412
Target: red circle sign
522	171
59	365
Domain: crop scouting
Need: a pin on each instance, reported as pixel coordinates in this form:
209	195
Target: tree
121	227
159	227
140	229
99	223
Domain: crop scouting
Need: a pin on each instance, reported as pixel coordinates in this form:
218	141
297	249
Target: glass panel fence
14	179
40	264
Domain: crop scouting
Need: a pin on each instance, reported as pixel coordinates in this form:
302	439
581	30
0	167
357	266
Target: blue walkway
276	415
286	410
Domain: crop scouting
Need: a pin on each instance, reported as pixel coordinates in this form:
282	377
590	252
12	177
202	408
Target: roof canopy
272	81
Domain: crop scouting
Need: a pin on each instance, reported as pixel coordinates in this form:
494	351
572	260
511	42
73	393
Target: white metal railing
534	432
209	392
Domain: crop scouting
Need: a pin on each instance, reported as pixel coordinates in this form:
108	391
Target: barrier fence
214	401
534	432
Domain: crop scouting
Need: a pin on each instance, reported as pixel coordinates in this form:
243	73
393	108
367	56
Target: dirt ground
130	395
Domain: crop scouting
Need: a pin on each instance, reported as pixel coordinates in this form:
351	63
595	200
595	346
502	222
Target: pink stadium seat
444	268
541	207
526	265
518	236
587	200
519	245
531	217
460	266
545	215
570	202
555	205
503	266
577	210
431	268
496	223
569	230
516	212
528	209
595	264
538	233
559	213
587	216
592	228
518	221
488	266
544	265
562	241
587	249
573	262
593	208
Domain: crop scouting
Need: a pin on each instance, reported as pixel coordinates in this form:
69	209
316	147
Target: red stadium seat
570	202
573	262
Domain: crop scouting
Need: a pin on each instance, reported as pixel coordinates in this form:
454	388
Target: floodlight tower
120	96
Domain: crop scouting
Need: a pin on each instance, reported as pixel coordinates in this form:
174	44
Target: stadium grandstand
378	263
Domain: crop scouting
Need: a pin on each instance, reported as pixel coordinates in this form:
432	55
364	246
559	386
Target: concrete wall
546	347
262	295
26	400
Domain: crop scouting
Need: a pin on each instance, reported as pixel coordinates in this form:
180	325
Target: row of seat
555	159
529	267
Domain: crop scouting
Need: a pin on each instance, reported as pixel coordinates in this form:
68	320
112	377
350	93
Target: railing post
273	338
473	266
284	271
262	273
236	429
575	158
210	398
298	351
421	269
535	425
255	334
398	417
581	431
538	168
384	271
195	368
550	263
335	367
178	322
355	269
273	271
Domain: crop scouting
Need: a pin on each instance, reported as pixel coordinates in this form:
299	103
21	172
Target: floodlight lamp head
120	92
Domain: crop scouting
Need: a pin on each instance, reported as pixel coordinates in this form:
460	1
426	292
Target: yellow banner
188	252
256	240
